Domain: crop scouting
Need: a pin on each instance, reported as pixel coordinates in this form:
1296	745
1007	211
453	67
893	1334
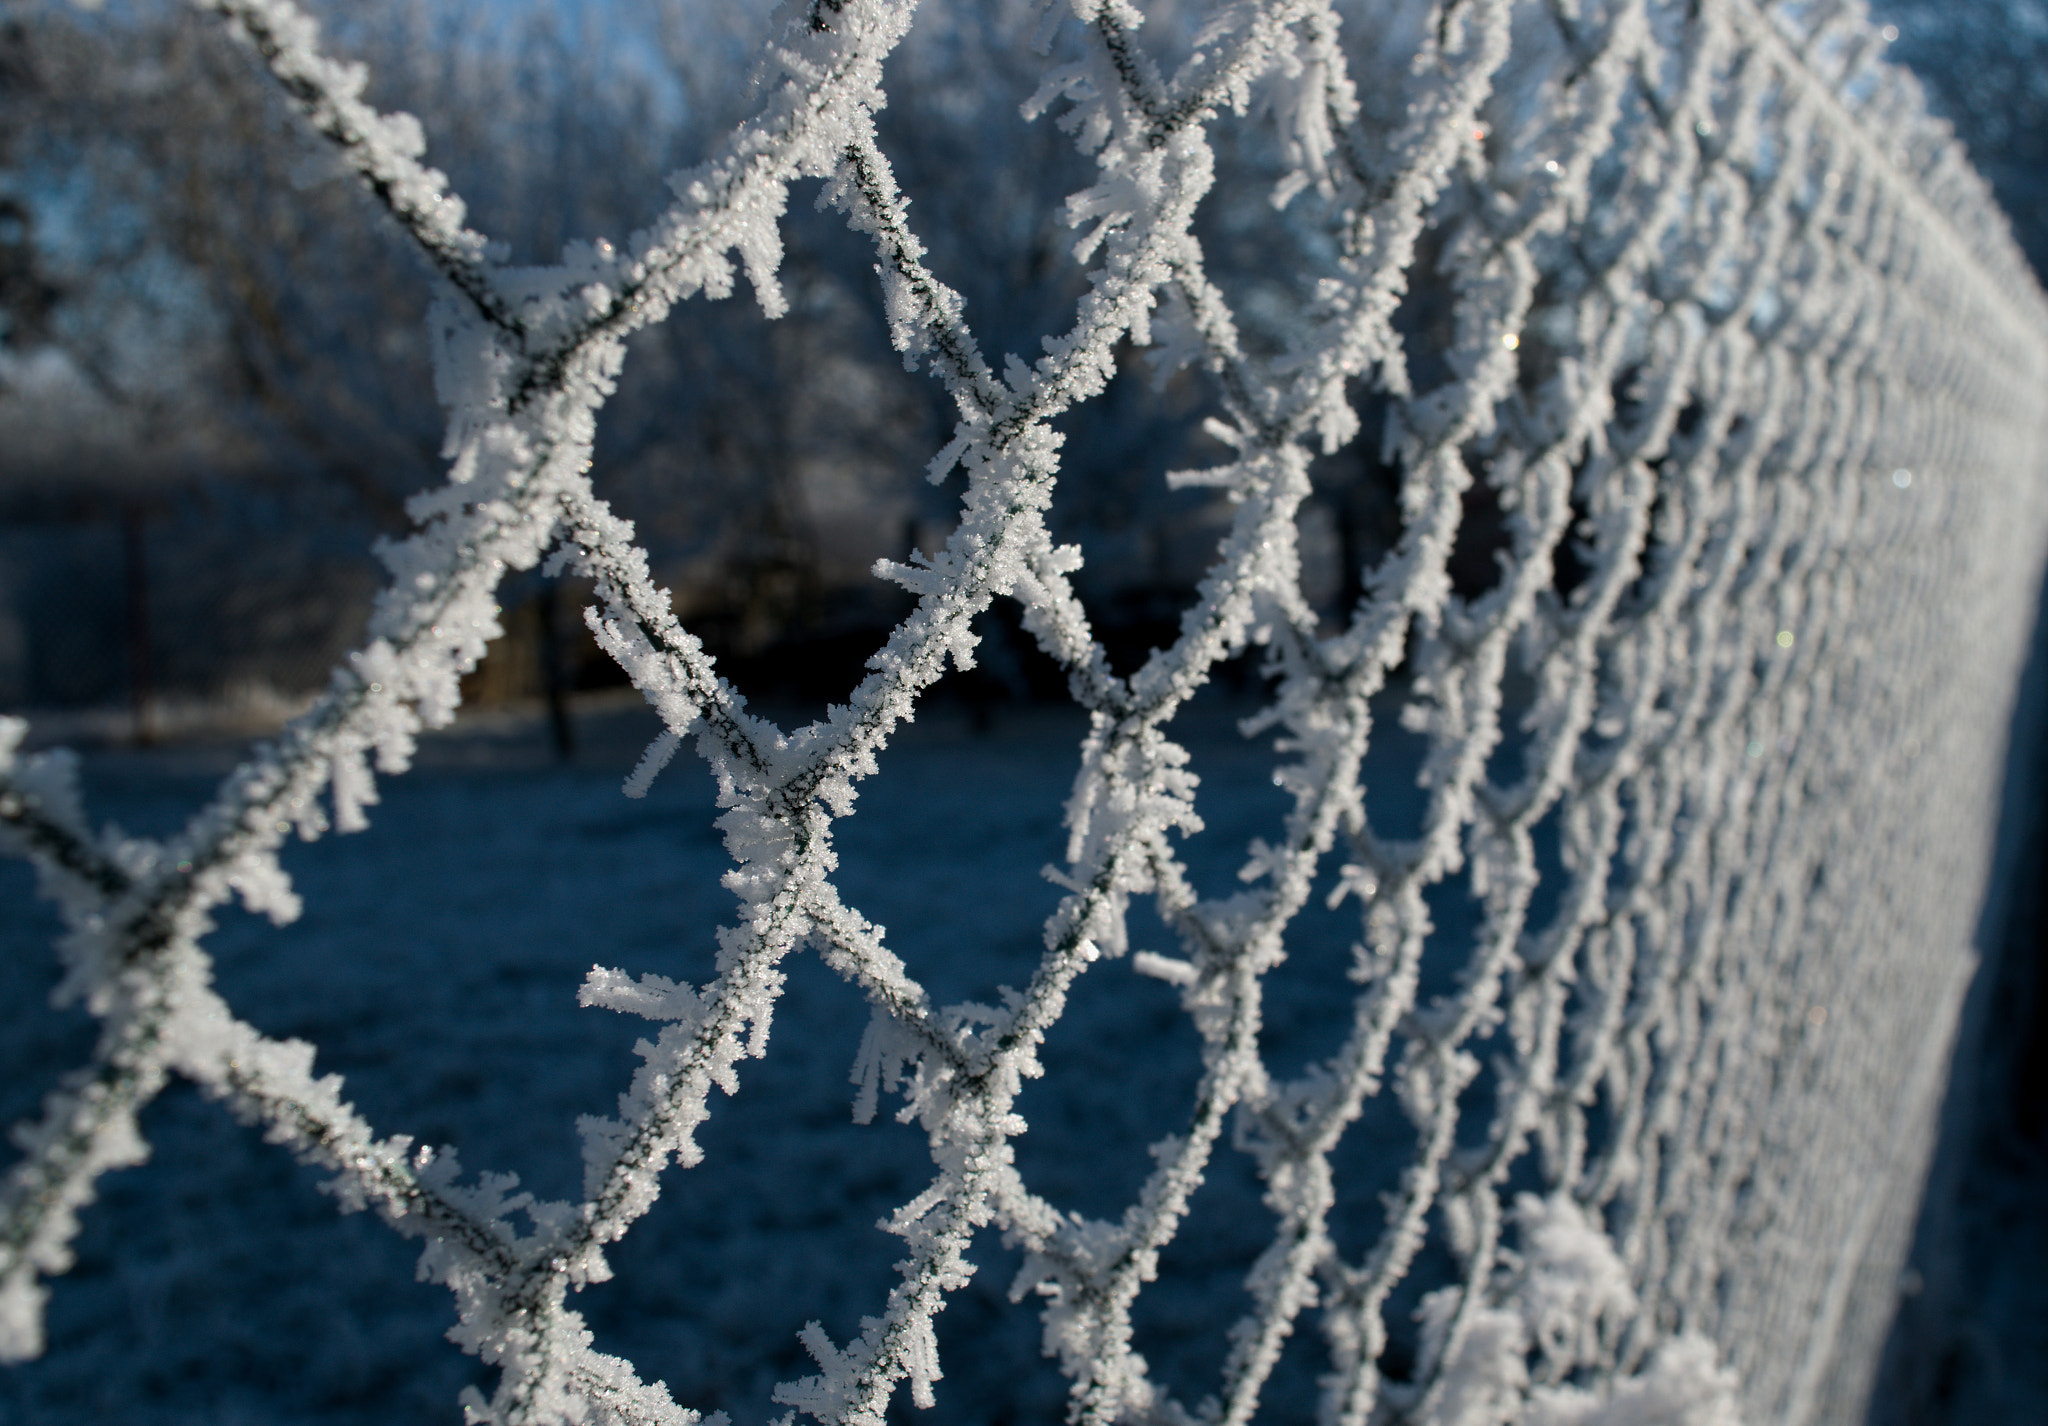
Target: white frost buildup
1665	292
1548	1306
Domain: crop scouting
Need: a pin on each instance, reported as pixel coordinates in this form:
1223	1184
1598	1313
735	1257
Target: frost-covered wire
1714	294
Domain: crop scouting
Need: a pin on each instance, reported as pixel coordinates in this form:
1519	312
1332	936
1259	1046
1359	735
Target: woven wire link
1739	349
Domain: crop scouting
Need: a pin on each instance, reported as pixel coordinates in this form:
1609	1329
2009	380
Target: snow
439	967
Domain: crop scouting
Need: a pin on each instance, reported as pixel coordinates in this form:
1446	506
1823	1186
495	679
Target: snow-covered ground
436	966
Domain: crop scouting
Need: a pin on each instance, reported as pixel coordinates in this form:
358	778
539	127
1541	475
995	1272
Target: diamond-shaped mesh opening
1455	1017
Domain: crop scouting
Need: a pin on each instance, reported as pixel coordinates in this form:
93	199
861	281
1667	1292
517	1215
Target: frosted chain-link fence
1734	351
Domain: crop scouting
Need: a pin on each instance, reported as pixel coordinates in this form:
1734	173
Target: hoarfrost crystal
1738	347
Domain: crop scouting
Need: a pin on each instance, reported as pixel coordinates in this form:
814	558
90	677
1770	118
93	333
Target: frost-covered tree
301	371
1652	759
